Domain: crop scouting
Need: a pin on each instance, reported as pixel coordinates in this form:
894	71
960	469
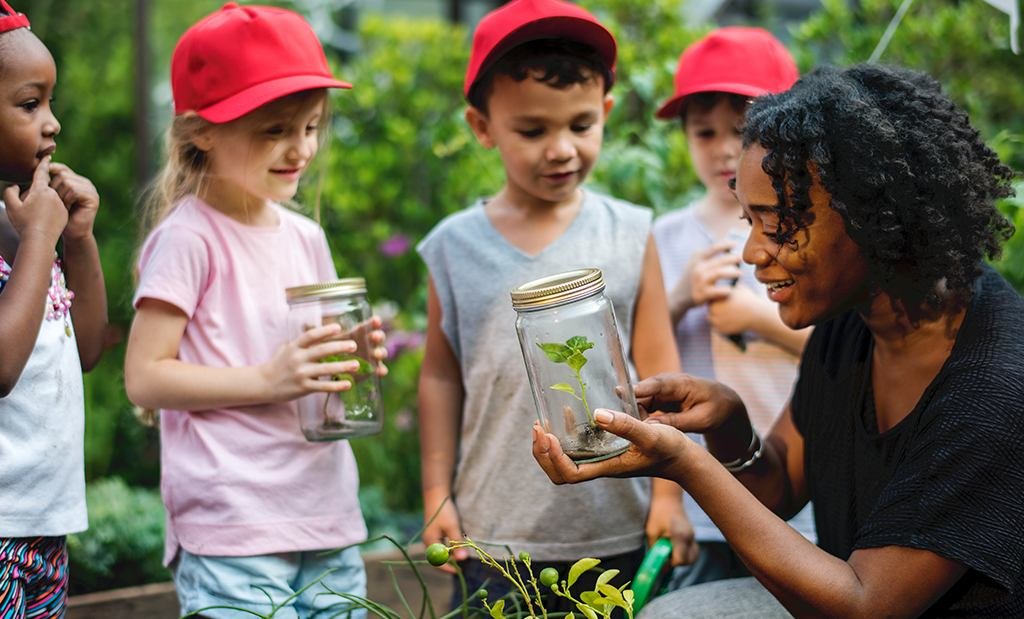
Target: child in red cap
42	405
537	86
251	505
726	328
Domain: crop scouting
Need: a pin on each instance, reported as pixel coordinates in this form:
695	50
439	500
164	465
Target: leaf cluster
570	353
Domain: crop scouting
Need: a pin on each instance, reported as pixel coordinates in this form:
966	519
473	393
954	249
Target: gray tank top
502	495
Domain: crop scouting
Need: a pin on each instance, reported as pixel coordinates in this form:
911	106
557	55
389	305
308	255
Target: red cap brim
670	109
242	103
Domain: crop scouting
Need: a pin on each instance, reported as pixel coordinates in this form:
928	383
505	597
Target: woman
872	205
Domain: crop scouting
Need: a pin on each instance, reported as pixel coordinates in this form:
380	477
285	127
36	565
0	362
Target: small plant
572	354
600	602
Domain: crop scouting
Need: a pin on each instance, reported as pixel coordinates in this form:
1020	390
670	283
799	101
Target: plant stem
583	398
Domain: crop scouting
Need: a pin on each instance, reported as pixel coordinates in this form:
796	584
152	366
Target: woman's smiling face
821	271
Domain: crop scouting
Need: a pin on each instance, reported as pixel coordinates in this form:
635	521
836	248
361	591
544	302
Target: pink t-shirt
242	482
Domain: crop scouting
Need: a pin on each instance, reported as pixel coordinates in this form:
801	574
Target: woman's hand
656	450
688	403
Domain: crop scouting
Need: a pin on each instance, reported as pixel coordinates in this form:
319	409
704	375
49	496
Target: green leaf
613	594
576	361
579	343
579	567
586	610
606	576
555	351
497	609
566	387
590	597
570	616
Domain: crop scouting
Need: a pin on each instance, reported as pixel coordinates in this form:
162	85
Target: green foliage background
401	158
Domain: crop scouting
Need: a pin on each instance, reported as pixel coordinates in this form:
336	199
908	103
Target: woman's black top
949	478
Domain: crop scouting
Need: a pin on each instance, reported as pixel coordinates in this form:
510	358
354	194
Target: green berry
524	557
437	554
482	594
548	576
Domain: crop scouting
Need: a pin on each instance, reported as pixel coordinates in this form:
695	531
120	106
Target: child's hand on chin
80	198
39	210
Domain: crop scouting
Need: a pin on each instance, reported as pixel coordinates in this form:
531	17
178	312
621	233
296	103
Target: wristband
754	451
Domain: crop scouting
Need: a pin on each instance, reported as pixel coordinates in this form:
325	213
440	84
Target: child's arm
743	310
37	218
82	262
440	410
155	378
654	352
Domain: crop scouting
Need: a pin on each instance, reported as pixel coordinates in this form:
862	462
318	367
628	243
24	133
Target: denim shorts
250	583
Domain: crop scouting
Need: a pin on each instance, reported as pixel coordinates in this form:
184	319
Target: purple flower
395	246
401	341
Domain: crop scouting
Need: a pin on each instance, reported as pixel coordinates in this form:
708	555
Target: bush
125	541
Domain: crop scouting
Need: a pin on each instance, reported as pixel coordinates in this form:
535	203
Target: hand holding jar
345	402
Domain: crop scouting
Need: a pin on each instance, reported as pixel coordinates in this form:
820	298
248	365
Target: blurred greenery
401	158
125	541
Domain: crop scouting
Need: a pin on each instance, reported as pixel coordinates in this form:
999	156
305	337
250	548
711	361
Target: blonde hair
184	173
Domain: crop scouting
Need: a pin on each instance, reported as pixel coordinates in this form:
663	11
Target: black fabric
949	478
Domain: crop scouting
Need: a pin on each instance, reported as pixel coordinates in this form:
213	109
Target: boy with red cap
259	520
537	86
53	311
726	328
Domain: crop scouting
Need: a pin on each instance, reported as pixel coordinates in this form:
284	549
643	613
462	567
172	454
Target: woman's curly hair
912	179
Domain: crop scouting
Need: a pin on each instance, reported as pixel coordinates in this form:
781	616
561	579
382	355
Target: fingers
663	392
716	248
41	177
548	453
318	334
12	197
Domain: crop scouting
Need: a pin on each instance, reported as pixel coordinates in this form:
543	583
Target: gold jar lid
558	289
326	290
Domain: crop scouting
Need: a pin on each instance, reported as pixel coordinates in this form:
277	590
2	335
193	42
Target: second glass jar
574	360
331	416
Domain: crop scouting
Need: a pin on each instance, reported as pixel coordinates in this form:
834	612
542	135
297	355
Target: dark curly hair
912	179
560	63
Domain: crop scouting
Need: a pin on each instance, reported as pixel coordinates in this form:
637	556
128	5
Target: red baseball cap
241	57
11	19
520	21
735	59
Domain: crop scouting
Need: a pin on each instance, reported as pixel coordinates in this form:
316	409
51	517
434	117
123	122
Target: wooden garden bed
158	601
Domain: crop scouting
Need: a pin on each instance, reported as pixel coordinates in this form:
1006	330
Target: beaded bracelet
756	449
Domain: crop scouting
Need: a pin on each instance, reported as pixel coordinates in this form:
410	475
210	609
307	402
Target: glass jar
574	359
346	414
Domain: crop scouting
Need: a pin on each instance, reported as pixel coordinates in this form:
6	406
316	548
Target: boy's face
28	128
263	155
549	138
714	137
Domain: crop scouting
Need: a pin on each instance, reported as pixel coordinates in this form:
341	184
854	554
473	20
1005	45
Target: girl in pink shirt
250	503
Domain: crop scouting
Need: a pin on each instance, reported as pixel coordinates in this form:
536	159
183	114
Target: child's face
714	138
28	128
549	138
262	156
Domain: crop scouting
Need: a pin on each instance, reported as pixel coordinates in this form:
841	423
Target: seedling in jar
572	354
